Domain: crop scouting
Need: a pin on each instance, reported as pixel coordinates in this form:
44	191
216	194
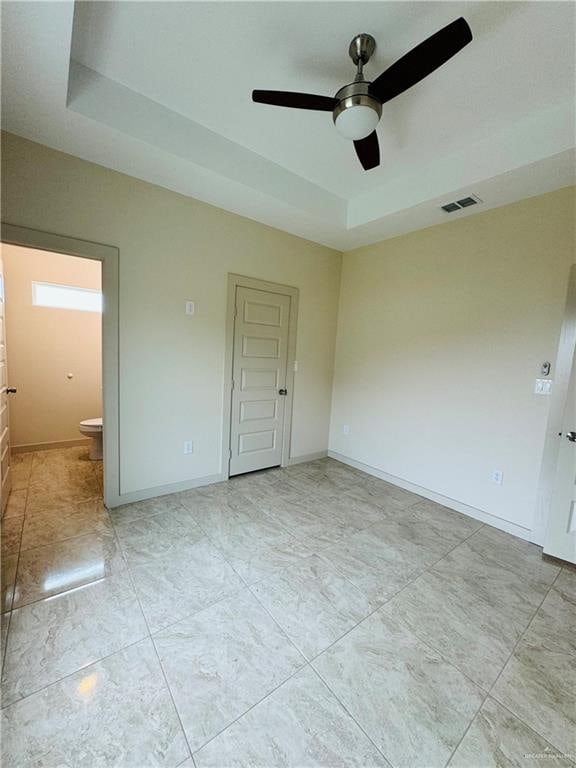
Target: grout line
71	674
491	688
345	708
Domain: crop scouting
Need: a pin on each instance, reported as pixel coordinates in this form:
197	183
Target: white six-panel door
259	369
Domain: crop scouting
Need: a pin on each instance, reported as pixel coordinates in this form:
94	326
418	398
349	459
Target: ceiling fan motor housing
357	112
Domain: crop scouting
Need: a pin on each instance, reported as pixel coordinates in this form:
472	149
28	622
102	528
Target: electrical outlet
498	476
188	446
346	429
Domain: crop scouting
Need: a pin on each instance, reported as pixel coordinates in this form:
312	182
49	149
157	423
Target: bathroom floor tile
313	603
116	712
43	499
16	505
11	535
53	638
300	724
412	704
222	661
56	568
44	526
172	589
164	535
496	738
20	477
8	569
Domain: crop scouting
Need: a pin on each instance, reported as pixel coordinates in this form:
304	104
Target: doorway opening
259	378
51	407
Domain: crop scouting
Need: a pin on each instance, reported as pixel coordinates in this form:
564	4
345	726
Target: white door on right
560	538
261	326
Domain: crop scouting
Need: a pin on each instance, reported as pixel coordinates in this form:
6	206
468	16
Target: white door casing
5	458
259	379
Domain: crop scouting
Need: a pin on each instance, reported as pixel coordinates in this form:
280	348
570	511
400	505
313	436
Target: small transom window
66	297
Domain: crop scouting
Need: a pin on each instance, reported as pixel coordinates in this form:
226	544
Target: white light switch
190	308
346	429
543	386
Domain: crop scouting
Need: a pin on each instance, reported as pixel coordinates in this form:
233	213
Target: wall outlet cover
188	447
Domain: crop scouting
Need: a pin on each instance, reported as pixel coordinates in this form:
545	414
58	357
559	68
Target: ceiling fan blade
294	100
368	151
422	60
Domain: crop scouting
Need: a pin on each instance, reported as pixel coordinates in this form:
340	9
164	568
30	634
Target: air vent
464	202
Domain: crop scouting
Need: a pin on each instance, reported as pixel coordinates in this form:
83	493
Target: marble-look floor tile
383	558
167	534
300	725
4	624
509	551
538	683
497	739
497	585
555	623
11	535
47	526
384	494
8	569
218	516
450	524
308	519
221	662
414	706
60	635
258	549
16	503
147	508
313	603
470	633
56	568
115	713
175	588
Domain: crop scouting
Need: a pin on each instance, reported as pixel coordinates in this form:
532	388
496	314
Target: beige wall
174	248
44	345
441	334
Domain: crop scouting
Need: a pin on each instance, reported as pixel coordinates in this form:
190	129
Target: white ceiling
161	90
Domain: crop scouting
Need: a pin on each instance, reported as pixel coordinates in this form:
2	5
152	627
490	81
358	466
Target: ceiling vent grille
464	202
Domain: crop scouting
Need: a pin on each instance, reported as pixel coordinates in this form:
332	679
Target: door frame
241	281
108	255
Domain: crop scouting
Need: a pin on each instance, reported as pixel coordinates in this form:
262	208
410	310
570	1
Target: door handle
282	391
571	436
11	390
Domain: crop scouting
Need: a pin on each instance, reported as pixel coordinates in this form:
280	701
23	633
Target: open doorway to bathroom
53	354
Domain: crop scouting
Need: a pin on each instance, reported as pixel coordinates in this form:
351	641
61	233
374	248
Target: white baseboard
307	457
458	506
28	447
117	500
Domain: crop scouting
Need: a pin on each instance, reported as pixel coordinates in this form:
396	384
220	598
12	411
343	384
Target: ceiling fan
356	108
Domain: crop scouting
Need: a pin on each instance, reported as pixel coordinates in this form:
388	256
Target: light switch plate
190	308
543	386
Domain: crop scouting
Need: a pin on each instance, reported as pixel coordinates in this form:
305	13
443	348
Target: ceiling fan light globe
357	122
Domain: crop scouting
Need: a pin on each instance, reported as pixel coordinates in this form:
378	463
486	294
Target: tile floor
312	616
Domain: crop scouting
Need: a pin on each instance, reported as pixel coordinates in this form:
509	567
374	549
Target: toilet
93	428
